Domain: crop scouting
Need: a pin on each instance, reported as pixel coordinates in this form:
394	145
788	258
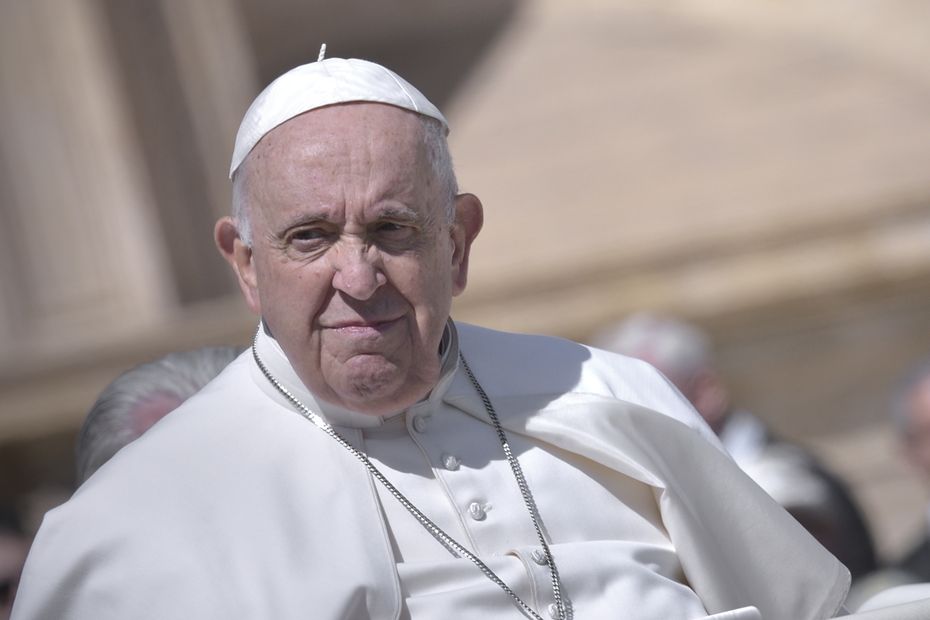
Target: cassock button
539	556
451	462
476	511
420	423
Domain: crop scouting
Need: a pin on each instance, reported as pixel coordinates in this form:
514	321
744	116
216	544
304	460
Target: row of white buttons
449	461
452	463
475	510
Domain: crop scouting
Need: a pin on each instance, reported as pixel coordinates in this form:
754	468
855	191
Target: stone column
218	81
117	124
81	252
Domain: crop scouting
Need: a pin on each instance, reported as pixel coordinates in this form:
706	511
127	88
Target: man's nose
357	270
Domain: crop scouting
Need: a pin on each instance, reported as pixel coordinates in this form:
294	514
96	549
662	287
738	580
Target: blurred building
759	168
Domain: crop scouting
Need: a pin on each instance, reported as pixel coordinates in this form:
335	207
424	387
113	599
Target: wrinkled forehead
361	151
376	135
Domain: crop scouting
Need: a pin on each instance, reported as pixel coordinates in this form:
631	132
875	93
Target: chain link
451	545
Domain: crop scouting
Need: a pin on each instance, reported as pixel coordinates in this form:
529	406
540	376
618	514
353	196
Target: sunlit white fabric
235	507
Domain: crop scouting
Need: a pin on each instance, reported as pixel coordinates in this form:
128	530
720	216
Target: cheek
430	293
291	293
428	278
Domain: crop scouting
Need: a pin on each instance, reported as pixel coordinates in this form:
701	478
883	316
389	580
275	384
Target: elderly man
371	458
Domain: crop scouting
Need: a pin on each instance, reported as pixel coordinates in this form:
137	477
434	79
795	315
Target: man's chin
379	389
374	403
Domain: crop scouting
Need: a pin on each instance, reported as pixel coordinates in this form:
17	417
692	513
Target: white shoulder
510	364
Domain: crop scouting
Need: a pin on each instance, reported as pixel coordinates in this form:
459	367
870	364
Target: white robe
236	507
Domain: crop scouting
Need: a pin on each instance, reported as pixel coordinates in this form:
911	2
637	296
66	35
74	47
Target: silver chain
451	545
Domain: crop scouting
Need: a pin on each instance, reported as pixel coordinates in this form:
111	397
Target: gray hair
111	422
902	392
437	154
679	350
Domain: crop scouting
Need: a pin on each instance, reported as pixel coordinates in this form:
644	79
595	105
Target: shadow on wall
433	44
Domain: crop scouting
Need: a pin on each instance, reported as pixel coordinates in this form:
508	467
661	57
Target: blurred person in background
816	497
13	547
142	396
908	575
911	412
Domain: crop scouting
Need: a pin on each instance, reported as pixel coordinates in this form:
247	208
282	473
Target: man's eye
308	233
307	238
393	230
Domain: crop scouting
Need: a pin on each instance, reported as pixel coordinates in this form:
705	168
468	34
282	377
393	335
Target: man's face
354	262
917	439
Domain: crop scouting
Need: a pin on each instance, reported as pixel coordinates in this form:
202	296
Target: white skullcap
323	83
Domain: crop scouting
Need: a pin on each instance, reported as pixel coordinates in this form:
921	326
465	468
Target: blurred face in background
703	388
917	434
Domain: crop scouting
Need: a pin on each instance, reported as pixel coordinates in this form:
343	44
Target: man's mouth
363	327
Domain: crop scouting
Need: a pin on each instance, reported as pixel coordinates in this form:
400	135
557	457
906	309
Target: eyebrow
398	212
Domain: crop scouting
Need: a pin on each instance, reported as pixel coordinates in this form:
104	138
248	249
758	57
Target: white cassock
234	506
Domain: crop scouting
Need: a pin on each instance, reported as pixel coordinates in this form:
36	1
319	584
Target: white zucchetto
323	83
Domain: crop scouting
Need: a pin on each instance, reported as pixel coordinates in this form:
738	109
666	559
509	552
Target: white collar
273	356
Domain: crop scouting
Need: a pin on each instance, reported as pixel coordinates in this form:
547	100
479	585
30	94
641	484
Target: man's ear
469	217
239	256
